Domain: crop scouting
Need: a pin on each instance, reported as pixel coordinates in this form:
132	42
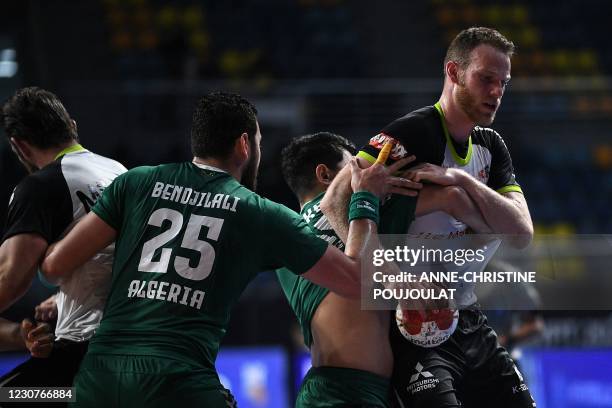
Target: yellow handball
384	153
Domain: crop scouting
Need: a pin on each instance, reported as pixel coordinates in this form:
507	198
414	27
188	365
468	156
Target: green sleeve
288	240
109	206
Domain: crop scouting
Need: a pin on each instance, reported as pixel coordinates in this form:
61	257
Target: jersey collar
458	159
310	202
207	167
70	149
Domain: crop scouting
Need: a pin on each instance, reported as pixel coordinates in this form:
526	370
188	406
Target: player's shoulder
109	163
140	171
267	208
136	178
46	185
152	171
85	167
419	131
487	137
414	120
43	181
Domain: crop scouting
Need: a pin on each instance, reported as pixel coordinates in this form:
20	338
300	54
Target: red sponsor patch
381	139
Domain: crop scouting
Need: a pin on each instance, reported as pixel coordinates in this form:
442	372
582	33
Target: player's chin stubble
249	177
469	105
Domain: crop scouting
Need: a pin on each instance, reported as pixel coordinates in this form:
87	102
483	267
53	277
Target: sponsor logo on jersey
428	382
381	139
311	213
431	331
94	193
522	386
519	388
445	235
483	174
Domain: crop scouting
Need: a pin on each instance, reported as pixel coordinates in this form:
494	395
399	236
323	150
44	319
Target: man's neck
44	157
221	165
309	196
459	125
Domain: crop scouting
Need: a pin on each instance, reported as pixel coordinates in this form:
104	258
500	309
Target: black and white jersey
49	202
485	156
423	133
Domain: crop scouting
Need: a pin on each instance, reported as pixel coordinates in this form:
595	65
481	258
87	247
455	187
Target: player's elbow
353	287
351	290
12	286
522	236
325	204
521	224
51	269
456	201
349	285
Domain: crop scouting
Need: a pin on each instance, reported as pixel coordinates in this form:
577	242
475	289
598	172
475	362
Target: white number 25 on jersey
190	241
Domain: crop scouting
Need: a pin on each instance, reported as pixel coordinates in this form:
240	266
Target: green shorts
343	387
143	381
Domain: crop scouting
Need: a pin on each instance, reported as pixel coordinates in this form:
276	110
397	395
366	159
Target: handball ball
428	328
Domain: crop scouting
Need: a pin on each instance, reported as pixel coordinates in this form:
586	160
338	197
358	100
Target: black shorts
469	370
57	370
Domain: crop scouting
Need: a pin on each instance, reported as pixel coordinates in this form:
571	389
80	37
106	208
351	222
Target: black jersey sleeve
419	133
501	174
502	177
40	204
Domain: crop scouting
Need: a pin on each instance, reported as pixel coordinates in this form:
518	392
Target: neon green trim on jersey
366	156
458	159
70	149
507	189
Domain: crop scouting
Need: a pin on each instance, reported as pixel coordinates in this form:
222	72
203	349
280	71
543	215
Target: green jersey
190	238
304	296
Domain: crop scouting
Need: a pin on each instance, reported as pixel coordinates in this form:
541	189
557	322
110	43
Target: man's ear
324	174
73	124
24	152
241	147
452	71
21	148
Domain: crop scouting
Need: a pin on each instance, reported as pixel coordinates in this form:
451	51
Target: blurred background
130	71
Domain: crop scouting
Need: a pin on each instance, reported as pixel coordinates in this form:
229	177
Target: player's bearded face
482	83
470	105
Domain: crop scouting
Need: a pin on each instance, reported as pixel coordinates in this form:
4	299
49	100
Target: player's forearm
362	237
10	336
11	290
463	208
454	201
362	240
504	215
346	279
14	283
335	203
19	256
